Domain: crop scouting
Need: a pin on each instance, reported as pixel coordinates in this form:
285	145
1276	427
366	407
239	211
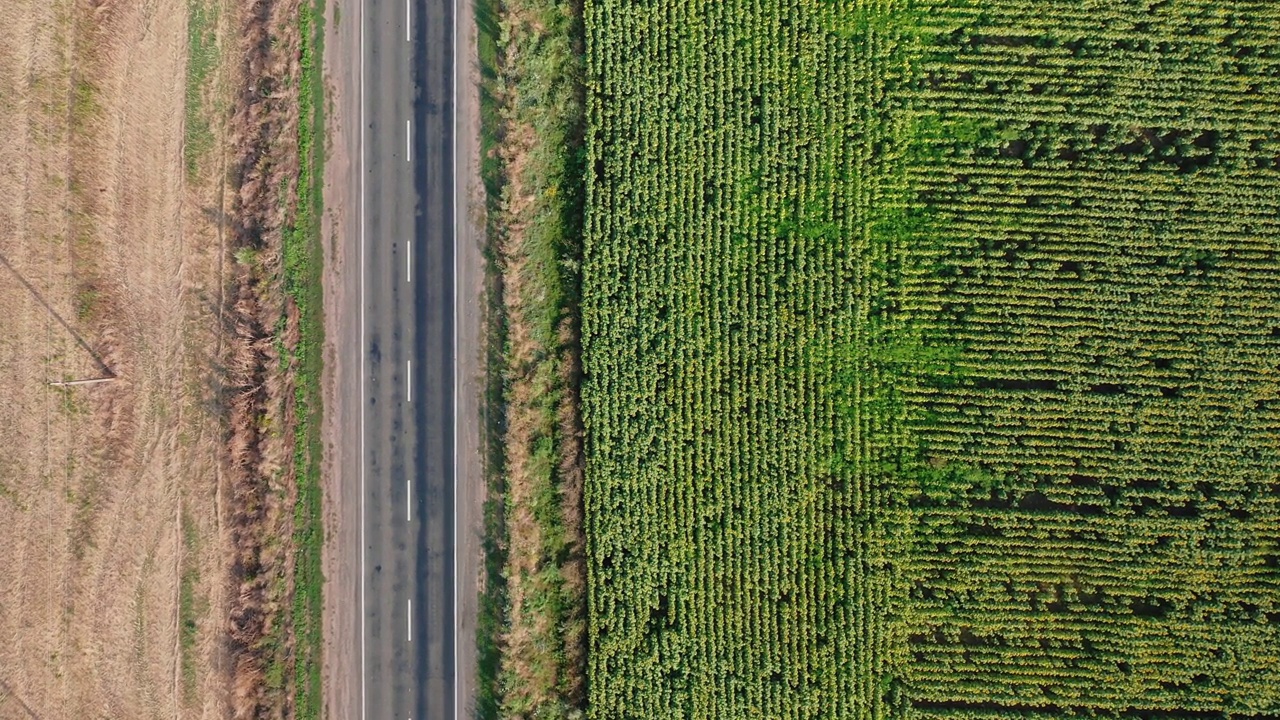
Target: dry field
112	572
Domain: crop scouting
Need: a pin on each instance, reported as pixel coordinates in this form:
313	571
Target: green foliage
746	221
1096	527
930	357
87	298
303	266
84	102
491	611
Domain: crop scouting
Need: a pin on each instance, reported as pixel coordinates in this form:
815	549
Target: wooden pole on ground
90	381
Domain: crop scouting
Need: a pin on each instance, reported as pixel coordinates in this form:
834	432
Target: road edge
469	224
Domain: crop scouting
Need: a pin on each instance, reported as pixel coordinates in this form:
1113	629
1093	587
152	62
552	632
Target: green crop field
1102	238
932	358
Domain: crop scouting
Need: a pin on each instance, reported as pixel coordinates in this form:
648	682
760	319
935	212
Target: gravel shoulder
470	322
341	381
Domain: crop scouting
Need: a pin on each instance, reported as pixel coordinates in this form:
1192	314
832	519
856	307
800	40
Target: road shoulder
469	379
340	232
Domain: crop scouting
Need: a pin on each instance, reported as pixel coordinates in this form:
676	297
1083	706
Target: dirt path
471	361
107	513
341	491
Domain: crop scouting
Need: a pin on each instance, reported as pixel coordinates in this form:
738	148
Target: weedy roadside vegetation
275	363
303	269
532	628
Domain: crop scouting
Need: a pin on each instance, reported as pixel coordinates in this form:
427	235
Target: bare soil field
111	266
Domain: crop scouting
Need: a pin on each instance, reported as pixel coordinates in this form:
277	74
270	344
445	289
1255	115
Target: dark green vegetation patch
932	358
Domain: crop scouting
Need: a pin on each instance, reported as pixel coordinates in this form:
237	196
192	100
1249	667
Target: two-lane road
408	616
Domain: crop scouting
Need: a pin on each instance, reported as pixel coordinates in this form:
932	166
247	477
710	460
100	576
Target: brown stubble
145	521
99	219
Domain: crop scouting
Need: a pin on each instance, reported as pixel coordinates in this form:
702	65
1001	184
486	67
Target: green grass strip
303	265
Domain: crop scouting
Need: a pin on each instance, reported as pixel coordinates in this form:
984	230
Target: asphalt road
407	218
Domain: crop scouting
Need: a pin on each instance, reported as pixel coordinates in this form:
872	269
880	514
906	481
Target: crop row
930	357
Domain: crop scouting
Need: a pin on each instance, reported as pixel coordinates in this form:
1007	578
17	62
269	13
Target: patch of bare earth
114	571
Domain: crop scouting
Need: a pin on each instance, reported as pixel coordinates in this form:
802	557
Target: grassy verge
531	628
490	614
204	58
303	262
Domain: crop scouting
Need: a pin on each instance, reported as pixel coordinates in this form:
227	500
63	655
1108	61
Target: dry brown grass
139	518
532	632
263	325
100	227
